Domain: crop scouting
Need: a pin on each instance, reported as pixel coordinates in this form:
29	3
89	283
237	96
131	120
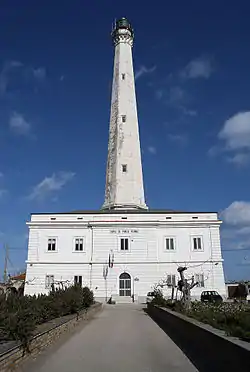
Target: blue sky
191	61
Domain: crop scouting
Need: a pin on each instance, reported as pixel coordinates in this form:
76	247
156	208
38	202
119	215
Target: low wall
11	358
208	349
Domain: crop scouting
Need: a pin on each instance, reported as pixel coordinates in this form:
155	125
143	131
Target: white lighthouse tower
124	179
124	249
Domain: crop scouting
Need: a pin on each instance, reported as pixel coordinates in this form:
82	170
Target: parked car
150	297
211	296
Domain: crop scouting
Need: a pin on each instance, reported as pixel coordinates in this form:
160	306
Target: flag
112	258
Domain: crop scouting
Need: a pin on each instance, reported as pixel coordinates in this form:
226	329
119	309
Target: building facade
124	249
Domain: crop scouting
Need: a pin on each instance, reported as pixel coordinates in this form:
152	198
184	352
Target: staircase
122	299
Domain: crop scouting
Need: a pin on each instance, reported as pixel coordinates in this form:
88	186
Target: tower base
126	207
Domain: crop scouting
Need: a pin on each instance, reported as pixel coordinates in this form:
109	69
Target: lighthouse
125	249
124	177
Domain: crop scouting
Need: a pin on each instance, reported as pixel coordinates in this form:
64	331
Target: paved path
122	338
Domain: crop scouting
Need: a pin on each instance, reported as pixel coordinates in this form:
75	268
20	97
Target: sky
191	62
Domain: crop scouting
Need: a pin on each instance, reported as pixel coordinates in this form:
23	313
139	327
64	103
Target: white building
124	249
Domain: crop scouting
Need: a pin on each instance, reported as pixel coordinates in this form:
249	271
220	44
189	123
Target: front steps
122	299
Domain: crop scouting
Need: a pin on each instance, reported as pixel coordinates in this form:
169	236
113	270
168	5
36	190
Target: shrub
159	299
233	318
20	315
20	326
87	297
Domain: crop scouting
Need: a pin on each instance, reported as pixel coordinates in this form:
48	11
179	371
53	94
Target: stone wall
13	357
209	349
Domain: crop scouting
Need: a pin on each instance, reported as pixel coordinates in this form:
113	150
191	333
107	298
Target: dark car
150	297
211	296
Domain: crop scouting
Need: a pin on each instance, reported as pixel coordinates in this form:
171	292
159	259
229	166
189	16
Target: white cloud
1	175
236	131
176	95
15	73
19	125
152	150
179	99
214	151
7	68
144	70
235	233
244	230
198	68
179	138
189	112
240	159
50	184
39	73
237	214
235	140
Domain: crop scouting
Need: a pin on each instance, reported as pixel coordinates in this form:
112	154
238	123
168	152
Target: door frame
118	282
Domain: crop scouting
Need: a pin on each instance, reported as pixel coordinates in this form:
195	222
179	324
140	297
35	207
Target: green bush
159	299
20	315
233	318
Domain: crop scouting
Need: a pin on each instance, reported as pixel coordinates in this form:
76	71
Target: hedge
233	318
19	316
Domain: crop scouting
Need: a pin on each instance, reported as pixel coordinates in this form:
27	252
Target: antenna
5	274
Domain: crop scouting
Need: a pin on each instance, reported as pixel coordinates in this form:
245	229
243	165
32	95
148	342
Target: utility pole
5	272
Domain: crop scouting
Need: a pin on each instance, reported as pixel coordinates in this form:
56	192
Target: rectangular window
78	244
124	118
124	244
197	244
170	246
49	280
51	244
171	280
123	76
78	280
200	279
124	168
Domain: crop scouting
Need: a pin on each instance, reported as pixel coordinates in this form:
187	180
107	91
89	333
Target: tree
185	287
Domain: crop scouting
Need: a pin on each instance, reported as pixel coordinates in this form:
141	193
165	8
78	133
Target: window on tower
124	118
124	168
123	76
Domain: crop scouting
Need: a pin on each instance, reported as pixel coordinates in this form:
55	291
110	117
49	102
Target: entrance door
125	284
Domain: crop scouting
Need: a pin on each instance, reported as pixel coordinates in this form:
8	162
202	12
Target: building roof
126	211
18	277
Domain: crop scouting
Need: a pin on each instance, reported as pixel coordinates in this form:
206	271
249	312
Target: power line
235	249
17	248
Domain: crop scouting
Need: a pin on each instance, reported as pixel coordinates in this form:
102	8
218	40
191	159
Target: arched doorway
125	284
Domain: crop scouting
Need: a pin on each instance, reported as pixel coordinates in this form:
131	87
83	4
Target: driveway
122	338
